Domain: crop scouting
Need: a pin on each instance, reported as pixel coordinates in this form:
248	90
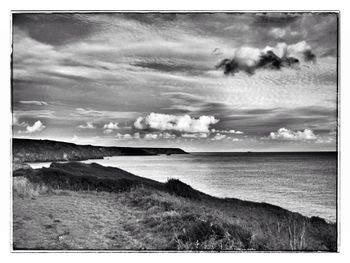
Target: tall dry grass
22	187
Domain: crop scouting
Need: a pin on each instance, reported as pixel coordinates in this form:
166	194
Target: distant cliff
28	150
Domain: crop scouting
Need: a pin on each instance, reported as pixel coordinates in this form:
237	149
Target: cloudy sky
200	81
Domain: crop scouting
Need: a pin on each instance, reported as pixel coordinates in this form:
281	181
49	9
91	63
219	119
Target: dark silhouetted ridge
29	150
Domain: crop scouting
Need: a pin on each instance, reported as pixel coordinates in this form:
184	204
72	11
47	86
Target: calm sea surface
301	182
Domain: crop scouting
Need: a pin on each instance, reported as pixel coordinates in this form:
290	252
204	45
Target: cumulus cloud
227	131
151	136
111	126
127	136
121	136
286	134
108	128
88	125
248	59
219	137
33	102
183	123
74	138
162	135
235	132
195	135
107	131
325	139
166	135
36	127
303	50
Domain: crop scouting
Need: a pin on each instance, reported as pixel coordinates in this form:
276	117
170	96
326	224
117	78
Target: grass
22	187
121	212
207	225
175	186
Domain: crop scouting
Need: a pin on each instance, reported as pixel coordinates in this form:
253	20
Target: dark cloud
309	56
54	29
170	67
231	66
272	61
275	19
268	60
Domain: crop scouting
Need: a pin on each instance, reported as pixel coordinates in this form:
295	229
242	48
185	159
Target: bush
61	180
175	186
22	187
206	235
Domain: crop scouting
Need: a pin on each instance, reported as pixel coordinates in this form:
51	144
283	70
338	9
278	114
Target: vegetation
22	187
143	214
29	150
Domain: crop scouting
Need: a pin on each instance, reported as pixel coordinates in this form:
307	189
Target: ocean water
300	182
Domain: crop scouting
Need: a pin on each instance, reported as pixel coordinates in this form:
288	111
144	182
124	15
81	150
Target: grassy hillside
29	150
82	206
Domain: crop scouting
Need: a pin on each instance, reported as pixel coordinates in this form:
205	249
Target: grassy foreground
79	206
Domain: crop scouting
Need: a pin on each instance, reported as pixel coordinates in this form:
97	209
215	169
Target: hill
29	150
89	206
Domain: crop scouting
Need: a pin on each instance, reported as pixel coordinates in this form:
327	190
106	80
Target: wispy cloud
33	102
227	131
102	114
88	125
35	113
195	135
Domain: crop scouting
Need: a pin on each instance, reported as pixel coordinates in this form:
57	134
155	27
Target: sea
304	182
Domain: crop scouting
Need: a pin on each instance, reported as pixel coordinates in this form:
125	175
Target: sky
198	81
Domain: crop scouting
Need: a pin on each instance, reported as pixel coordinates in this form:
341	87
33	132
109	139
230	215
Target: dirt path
73	220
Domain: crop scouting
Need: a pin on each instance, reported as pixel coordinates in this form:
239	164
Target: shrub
207	235
22	187
58	179
175	186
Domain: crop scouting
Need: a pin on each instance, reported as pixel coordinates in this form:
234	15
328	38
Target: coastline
259	222
237	175
30	150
